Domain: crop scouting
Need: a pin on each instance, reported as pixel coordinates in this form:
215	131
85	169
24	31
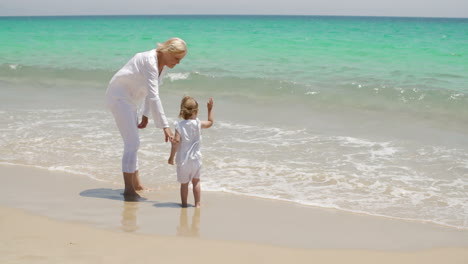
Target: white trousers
126	118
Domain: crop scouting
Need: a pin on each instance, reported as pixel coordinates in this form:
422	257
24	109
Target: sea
360	114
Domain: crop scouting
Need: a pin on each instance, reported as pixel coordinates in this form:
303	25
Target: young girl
186	144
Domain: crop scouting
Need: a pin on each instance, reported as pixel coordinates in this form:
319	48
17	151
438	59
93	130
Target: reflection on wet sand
129	217
184	229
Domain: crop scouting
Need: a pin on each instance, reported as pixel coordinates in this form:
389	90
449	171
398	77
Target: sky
417	8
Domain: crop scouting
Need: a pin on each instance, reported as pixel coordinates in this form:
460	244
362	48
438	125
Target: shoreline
86	221
74	198
246	196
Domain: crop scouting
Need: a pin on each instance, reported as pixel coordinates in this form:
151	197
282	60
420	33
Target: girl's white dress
188	157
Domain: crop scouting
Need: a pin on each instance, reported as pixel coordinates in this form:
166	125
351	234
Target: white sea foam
63	169
375	175
14	66
387	178
456	96
178	76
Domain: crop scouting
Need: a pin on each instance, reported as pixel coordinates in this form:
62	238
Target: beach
49	218
369	117
336	139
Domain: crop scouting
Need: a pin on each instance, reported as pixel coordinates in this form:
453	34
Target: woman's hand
144	122
168	134
171	161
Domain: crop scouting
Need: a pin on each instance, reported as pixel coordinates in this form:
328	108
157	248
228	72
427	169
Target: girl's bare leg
196	192
184	193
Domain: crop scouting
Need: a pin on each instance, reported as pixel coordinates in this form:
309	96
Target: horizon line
296	15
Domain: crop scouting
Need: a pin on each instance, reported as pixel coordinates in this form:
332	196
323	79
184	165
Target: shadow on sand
167	205
117	194
112	194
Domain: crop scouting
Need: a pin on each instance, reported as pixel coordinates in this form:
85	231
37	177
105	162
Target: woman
136	82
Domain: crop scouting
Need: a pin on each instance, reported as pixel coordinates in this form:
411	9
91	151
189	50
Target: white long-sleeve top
139	80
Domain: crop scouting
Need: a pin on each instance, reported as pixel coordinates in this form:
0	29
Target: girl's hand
144	122
209	105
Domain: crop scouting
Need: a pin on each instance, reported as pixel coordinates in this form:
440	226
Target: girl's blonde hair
188	107
173	45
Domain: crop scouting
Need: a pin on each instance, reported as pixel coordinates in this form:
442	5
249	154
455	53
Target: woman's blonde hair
173	45
188	107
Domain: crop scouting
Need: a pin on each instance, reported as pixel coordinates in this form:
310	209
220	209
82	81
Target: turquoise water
371	57
361	114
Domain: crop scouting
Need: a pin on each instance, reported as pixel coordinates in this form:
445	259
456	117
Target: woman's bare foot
130	192
131	196
140	188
